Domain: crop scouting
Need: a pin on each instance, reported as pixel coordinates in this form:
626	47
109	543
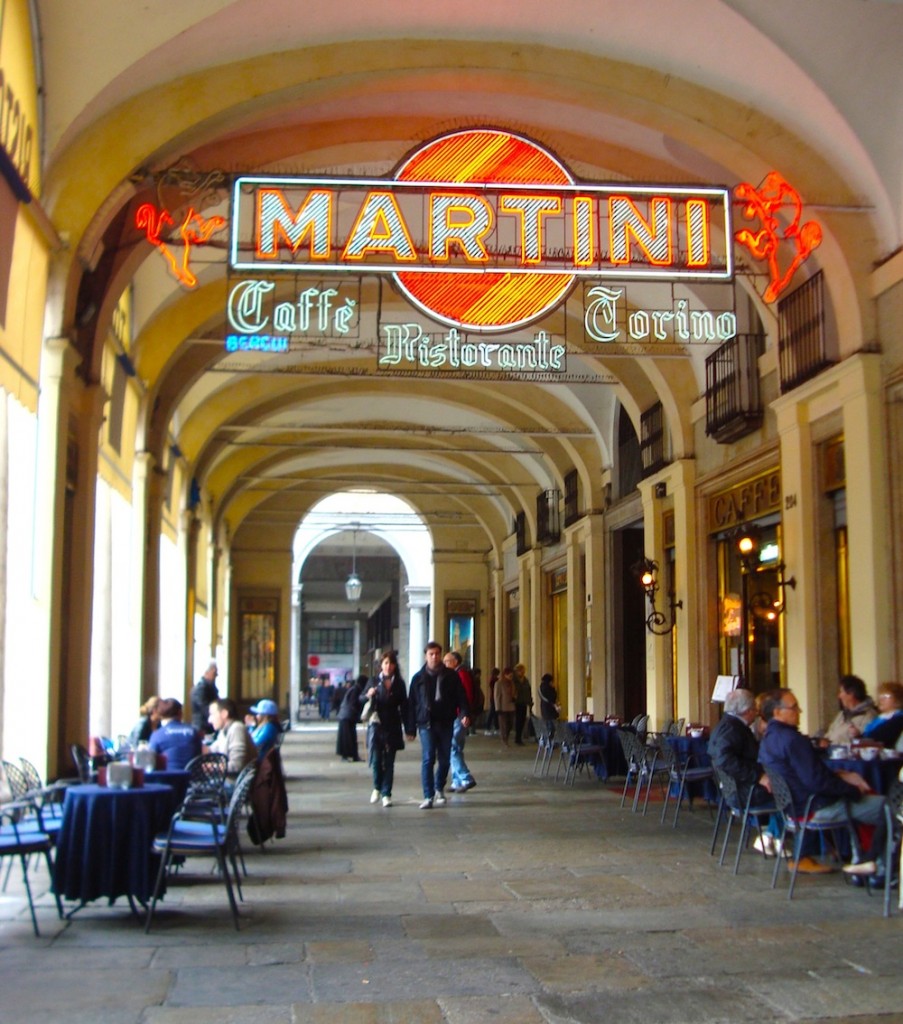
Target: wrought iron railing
733	406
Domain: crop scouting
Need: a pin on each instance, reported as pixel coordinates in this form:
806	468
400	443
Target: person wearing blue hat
264	726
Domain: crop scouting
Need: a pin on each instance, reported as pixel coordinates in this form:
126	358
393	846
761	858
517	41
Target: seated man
856	710
789	753
175	739
232	736
734	750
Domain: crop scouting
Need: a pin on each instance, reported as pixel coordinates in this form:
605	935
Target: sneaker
764	844
439	799
374	796
810	866
387	801
427	804
468	785
865	867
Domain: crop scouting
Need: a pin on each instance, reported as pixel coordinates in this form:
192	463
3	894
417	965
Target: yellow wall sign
18	94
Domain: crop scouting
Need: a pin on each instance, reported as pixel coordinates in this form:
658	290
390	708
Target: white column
418	602
101	697
295	653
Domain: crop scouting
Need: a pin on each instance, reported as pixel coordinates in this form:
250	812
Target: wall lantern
646	571
353	585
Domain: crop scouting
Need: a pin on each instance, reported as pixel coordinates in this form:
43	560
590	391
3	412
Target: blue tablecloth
879	774
104	846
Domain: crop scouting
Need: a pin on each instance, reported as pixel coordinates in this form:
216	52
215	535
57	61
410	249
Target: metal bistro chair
206	781
82	761
737	810
583	754
205	838
634	756
21	789
21	842
681	773
559	735
653	766
893	810
542	743
798	825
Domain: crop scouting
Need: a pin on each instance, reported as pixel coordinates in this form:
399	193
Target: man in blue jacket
435	699
787	751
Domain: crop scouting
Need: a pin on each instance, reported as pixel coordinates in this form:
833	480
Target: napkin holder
119	775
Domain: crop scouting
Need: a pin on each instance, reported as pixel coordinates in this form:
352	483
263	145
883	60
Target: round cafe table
879	773
104	845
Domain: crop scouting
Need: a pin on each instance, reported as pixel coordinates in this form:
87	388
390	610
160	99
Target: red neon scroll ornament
195	230
766	203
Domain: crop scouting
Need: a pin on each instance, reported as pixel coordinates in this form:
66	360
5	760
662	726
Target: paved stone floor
523	901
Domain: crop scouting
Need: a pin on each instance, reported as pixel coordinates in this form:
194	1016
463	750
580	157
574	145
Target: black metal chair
560	734
681	774
542	743
206	781
208	836
582	754
634	757
20	788
798	825
82	761
738	810
17	840
893	810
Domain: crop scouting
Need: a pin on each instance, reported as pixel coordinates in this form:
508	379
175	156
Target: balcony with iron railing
733	404
802	338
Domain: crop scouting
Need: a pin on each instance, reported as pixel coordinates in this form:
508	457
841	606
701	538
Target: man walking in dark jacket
435	699
203	694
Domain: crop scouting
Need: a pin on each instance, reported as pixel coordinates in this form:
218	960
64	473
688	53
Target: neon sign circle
484	300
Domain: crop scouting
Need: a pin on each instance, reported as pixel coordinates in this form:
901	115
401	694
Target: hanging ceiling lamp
353	585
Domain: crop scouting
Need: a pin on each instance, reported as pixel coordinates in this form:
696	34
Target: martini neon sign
481	229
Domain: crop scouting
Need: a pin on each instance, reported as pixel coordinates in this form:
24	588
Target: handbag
370	714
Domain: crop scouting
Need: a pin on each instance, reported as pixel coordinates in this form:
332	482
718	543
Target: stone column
418	603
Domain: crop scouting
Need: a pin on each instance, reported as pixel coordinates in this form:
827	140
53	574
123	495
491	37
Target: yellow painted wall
21	337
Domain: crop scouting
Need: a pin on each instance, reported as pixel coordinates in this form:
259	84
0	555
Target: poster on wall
460	614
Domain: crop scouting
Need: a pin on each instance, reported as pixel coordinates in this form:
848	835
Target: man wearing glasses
790	753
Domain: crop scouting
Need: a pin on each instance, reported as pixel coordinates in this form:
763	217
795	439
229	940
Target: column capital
418	597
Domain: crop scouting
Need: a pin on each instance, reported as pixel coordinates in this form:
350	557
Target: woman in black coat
349	716
385	736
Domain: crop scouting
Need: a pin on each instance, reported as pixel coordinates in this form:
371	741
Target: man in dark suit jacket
733	747
435	699
734	750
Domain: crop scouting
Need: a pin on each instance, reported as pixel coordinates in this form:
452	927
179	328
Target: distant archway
393	521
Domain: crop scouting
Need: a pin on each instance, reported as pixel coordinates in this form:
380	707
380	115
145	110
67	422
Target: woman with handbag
387	699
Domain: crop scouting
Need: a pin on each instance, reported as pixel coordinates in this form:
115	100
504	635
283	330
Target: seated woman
888	726
146	724
264	726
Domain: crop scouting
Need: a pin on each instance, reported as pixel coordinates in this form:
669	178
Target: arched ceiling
712	91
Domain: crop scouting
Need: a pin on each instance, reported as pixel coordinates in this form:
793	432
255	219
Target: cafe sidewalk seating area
525	899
